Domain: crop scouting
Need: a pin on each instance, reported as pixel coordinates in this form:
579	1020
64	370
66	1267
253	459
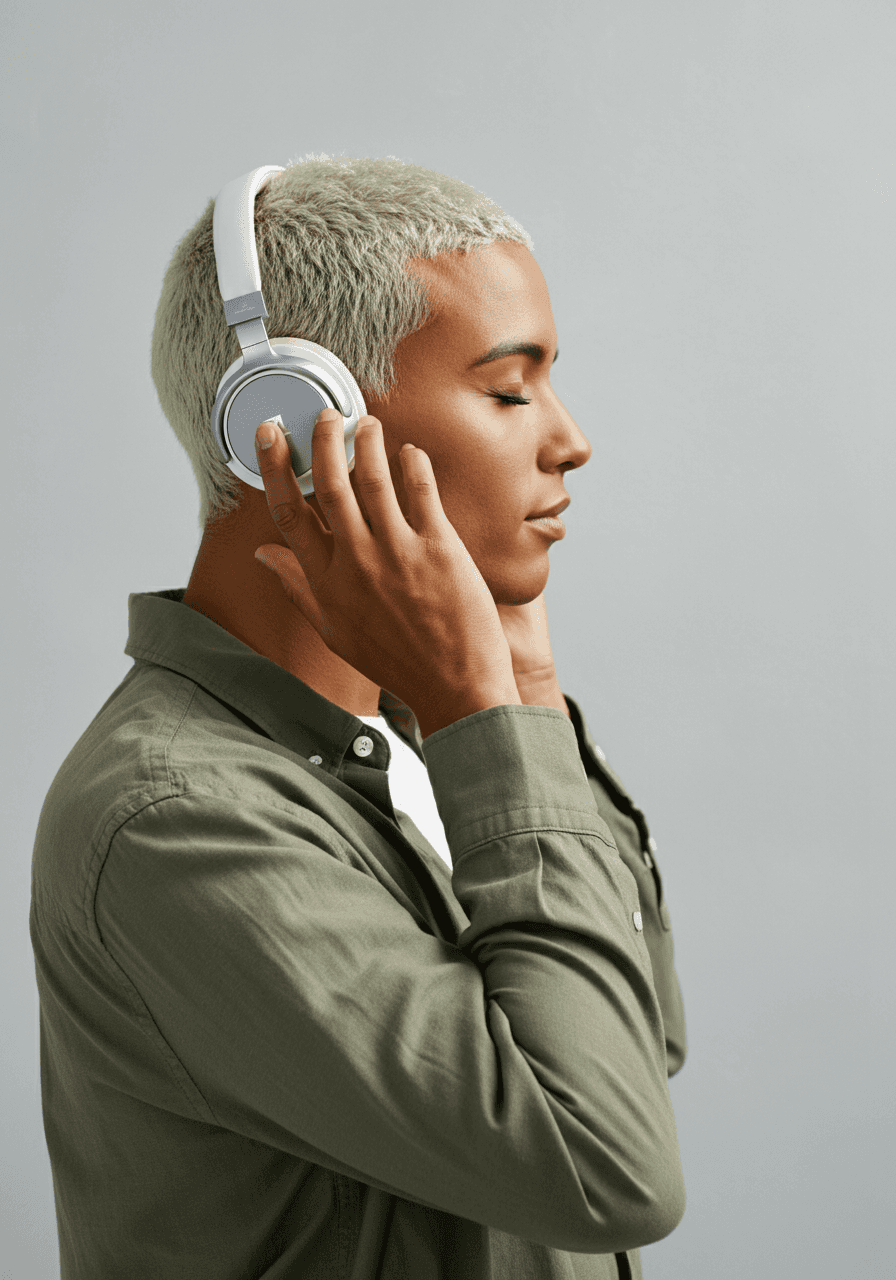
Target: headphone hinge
248	306
253	339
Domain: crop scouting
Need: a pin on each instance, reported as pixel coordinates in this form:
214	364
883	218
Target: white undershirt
410	788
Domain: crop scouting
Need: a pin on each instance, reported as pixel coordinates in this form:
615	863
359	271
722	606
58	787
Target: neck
229	586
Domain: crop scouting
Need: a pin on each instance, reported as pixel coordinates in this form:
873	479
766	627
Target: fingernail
265	435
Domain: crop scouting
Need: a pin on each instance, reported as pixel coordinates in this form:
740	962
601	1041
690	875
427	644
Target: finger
373	479
293	516
425	510
332	487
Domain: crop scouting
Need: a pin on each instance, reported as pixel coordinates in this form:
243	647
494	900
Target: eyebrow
510	348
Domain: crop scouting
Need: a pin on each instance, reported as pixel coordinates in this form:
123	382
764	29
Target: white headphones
287	376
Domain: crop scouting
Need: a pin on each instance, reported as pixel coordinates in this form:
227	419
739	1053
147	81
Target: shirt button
648	861
600	755
362	746
316	759
636	917
651	844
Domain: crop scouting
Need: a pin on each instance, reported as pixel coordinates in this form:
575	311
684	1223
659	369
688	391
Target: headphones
289	380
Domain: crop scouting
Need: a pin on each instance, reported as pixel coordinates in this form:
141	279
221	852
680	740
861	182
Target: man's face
494	463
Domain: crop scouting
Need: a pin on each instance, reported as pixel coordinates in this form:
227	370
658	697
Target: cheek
463	473
480	469
474	498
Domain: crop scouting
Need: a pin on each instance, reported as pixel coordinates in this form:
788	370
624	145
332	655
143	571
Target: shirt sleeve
637	850
517	1079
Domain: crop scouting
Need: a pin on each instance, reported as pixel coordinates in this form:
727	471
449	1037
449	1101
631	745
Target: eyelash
507	399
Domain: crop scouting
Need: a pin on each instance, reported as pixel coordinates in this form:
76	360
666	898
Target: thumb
285	564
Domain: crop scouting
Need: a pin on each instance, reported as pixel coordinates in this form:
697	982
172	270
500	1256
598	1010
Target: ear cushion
301	346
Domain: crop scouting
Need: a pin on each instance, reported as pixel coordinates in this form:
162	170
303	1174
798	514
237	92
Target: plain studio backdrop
710	190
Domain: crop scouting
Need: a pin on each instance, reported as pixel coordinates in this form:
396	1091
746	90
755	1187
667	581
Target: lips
551	511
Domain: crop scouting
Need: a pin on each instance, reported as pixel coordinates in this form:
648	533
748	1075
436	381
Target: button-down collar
164	631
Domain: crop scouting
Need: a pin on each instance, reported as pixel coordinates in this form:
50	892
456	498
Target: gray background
710	189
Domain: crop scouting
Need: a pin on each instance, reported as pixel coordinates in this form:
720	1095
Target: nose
566	440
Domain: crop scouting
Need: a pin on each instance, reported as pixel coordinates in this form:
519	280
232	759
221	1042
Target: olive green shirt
281	1038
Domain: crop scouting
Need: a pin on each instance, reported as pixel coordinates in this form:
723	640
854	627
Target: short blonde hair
334	236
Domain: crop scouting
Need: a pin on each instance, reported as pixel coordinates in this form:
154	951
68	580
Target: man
351	951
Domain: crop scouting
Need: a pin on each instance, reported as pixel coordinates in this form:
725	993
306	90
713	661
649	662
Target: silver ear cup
305	379
264	396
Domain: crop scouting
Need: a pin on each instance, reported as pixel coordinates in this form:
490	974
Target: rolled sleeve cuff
508	769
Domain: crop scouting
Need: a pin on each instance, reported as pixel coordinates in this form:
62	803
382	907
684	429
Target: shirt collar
164	631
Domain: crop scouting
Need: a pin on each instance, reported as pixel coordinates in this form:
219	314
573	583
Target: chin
521	587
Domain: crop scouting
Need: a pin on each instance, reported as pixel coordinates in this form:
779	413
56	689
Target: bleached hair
334	236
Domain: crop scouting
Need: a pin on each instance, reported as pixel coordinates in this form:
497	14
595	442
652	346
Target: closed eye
507	399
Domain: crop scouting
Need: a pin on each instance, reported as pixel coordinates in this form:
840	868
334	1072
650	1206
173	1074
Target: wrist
438	716
544	692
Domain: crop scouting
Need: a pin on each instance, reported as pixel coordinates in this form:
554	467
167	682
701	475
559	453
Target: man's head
334	236
410	278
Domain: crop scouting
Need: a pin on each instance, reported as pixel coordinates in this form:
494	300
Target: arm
638	851
515	1076
526	630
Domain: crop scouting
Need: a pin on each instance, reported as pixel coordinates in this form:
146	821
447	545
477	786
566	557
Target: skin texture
494	464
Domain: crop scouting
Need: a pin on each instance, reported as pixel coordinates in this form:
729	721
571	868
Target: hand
400	600
525	628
